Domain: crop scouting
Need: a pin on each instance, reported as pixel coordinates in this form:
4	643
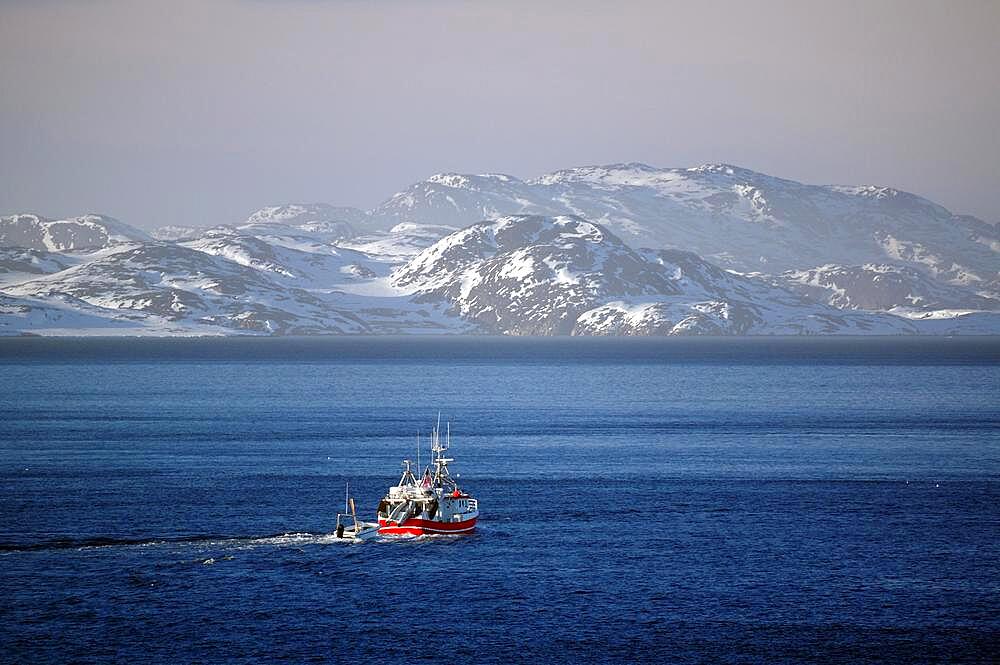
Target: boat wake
224	541
215	540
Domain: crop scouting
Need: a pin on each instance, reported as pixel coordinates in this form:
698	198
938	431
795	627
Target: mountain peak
90	231
721	168
529	274
294	214
466	181
629	173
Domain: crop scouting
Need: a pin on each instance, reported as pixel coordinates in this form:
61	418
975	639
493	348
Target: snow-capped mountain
733	252
305	262
169	288
30	231
316	219
734	217
535	275
529	275
308	214
171	283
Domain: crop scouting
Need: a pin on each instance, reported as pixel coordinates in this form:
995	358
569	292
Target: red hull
418	527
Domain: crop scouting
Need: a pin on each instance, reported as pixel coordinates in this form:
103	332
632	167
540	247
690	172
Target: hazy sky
200	111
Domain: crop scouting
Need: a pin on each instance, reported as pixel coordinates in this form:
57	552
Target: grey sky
197	111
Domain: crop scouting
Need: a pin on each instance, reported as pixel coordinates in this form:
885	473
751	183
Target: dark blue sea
668	501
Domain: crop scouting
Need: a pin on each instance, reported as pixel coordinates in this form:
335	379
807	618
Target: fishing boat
434	504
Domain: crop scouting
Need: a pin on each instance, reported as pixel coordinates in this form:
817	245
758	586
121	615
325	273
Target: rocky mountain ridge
535	275
566	253
734	217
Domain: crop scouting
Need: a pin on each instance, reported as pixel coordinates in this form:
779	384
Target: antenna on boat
418	451
448	438
347	495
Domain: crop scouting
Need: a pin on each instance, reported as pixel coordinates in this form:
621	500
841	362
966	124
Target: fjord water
679	501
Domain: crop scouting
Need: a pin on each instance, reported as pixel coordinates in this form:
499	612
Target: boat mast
438	459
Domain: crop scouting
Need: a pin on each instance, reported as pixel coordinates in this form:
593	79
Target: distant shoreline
721	350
